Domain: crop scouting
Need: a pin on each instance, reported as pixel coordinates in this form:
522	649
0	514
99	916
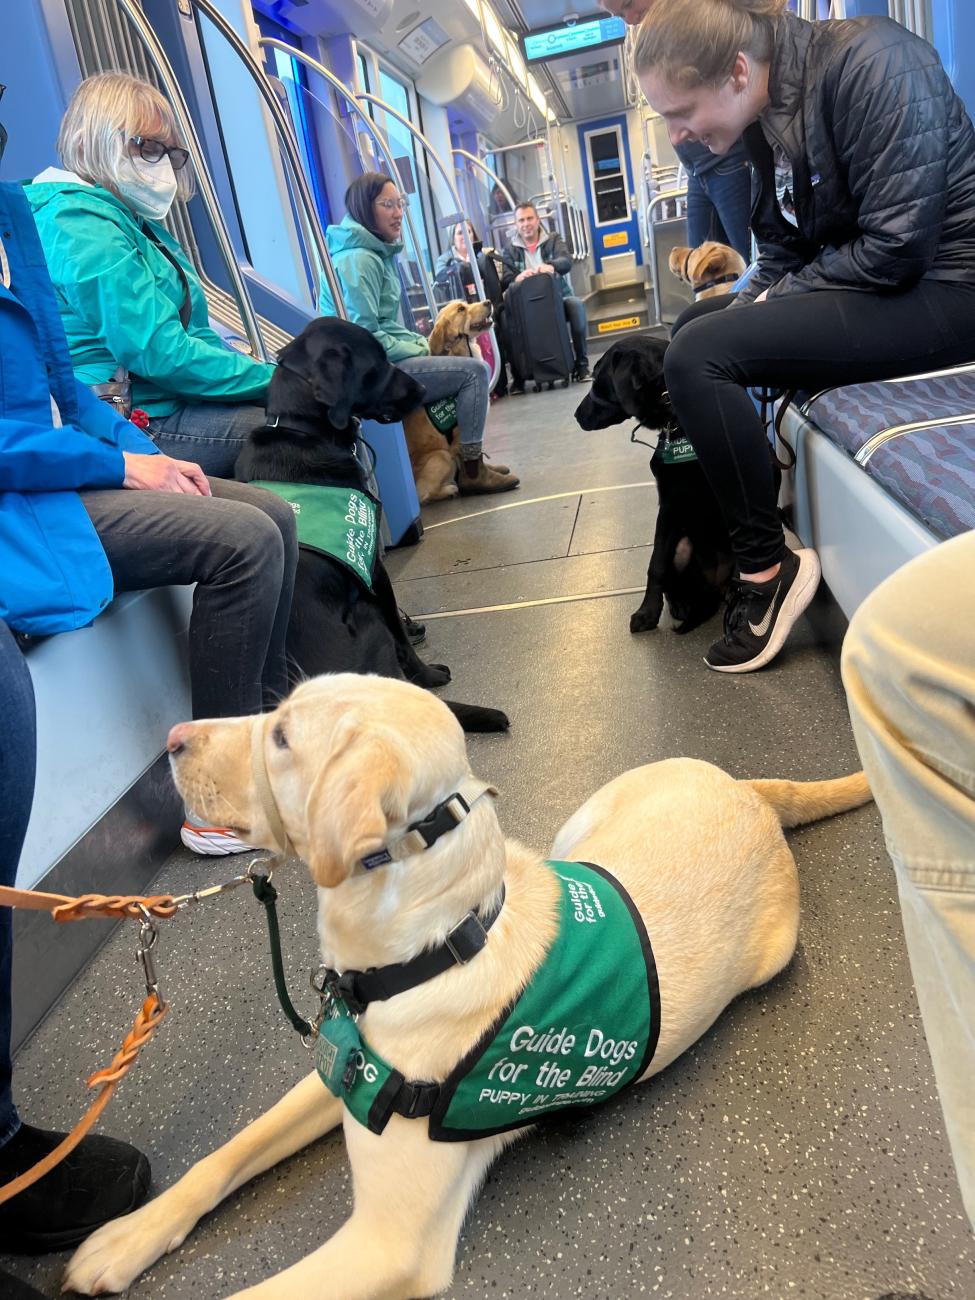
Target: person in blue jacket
364	248
89	506
92	507
129	297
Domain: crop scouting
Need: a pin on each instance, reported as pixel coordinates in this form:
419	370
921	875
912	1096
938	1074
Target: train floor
797	1150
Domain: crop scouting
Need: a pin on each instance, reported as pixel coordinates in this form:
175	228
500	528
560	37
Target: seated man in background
532	252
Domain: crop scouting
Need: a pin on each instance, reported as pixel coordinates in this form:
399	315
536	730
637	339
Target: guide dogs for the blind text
352	762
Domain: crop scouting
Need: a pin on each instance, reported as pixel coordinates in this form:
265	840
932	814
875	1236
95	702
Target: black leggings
808	341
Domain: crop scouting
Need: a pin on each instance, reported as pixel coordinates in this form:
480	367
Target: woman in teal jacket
364	248
128	295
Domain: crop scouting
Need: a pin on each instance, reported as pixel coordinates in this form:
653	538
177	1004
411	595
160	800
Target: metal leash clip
148	936
183	901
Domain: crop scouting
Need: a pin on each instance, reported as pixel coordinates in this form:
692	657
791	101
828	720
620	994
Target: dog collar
444	817
730	278
357	988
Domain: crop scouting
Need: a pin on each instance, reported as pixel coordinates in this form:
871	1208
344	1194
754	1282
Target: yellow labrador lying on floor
355	771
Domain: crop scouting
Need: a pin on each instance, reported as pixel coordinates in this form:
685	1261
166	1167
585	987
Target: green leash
266	894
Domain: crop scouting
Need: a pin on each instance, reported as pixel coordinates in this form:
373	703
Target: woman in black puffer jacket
864	210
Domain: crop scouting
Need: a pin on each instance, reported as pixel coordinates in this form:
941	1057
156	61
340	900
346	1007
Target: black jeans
809	341
240	548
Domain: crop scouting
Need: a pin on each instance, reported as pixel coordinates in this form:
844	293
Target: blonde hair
103	113
695	42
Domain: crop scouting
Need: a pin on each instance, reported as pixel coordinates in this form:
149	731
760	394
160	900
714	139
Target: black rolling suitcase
539	332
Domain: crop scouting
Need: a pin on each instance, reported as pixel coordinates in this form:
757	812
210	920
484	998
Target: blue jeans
719	206
210	433
466	380
18	754
240	548
575	314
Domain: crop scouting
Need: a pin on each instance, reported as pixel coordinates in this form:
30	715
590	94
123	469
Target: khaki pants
909	672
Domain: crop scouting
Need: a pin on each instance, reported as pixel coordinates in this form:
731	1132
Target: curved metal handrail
286	136
448	180
353	102
167	76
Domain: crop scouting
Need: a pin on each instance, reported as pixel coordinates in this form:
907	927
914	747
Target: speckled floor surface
797	1150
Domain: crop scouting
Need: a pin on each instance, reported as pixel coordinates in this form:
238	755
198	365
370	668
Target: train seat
105	813
884	471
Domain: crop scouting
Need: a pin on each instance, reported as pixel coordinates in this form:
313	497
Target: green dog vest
443	414
584	1028
676	450
341	522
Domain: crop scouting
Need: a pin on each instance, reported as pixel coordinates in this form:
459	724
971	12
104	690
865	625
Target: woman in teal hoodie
129	296
364	248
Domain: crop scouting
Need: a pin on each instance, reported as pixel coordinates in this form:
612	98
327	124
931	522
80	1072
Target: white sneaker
212	841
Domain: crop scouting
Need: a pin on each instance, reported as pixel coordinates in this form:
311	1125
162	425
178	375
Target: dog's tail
797	802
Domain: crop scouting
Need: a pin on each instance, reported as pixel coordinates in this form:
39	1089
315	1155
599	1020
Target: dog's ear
362	790
447	327
677	261
631	376
332	377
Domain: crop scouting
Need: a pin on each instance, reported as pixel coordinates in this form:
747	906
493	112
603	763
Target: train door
608	174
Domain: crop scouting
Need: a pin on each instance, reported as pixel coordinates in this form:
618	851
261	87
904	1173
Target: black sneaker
101	1179
760	615
582	374
416	632
517	388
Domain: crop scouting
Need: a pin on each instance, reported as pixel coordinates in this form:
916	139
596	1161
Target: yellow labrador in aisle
359	773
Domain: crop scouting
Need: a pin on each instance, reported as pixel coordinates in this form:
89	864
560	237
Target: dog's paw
432	676
113	1257
474	718
644	620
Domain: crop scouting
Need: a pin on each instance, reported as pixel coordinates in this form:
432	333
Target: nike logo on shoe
760	629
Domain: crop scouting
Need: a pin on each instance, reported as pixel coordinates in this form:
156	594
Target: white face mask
148	188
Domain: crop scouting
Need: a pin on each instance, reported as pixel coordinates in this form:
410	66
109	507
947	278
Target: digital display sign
575	38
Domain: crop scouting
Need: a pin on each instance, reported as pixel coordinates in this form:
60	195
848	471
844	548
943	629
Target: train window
403	144
293	76
607	170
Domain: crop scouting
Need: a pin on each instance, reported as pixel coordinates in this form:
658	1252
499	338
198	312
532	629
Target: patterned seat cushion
932	474
850	416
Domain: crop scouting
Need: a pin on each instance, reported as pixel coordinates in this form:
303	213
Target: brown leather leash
153	1010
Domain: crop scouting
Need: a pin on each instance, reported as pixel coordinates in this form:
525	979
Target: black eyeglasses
153	151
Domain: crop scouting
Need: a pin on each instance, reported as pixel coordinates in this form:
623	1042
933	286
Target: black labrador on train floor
330	374
691	562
